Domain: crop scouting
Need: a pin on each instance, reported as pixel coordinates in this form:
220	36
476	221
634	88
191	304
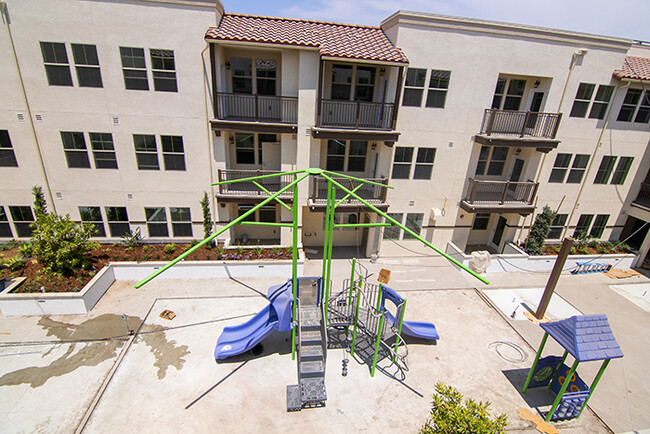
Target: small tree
40	205
207	218
540	230
449	414
60	244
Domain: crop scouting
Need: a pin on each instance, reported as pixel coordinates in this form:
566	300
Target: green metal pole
348	195
356	320
399	328
380	331
354	263
326	243
261	187
379	293
213	236
558	398
594	384
409	231
532	368
294	264
557	371
331	243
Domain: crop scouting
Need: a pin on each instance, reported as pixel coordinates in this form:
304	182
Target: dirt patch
37	280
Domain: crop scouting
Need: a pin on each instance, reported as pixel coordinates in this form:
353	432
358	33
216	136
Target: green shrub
449	414
170	248
540	230
607	245
557	249
593	244
132	239
207	218
40	206
145	249
572	251
583	250
602	249
624	248
60	244
25	250
10	245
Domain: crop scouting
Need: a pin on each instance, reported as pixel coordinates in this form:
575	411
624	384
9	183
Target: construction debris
167	314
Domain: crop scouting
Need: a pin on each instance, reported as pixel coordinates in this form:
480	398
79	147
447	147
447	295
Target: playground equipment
586	338
590	267
308	300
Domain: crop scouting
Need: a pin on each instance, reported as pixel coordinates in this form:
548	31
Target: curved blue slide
275	316
416	329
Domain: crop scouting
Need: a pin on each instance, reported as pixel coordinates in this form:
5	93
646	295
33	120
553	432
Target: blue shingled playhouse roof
585	337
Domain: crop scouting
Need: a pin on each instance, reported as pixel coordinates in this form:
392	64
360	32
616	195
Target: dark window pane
164	81
557	226
401	171
415	77
605	169
119	229
21	213
5	229
182	229
414	223
85	54
412	97
116	213
156	222
436	98
585	91
145	142
174	161
135	79
89	76
403	154
335	164
172	143
132	57
579	109
599	225
77	159
624	164
162	59
598	110
58	75
54	52
341	91
426	155
422	171
481	221
583	225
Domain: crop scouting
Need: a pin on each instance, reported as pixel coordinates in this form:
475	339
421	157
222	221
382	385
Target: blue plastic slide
422	330
275	316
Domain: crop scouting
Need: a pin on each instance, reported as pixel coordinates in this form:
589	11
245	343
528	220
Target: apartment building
474	125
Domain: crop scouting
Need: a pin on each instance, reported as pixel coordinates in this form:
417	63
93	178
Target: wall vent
21	117
59	195
116	121
129	196
38	117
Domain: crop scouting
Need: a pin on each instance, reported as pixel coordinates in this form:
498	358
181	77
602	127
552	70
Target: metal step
311	352
312	368
310	317
312	390
310	336
293	398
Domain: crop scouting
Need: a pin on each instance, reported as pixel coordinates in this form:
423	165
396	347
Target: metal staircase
312	353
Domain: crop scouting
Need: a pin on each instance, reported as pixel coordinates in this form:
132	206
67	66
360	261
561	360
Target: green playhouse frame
330	225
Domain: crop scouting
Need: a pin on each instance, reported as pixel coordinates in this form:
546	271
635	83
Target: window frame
583	225
560	167
414	82
577	172
405	155
144	151
96	219
622	169
588	103
7	153
481	221
507	91
86	62
118	224
156	218
605	169
5	227
414	220
22	222
174	155
55	65
72	147
103	150
388	231
181	219
354	151
558	224
163	70
260	215
439	87
490	164
134	71
599	225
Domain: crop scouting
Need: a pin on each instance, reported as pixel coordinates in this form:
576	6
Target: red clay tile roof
637	68
345	41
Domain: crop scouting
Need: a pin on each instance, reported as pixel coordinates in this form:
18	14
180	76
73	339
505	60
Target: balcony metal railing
248	189
356	114
643	198
256	108
501	192
521	124
373	194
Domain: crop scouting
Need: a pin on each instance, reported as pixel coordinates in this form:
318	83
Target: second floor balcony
357	114
256	108
499	197
520	128
251	191
373	194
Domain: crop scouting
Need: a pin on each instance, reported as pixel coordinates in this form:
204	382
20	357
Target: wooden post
555	275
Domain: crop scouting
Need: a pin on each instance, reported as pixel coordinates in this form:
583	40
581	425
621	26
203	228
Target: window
624	164
346	156
134	68
606	167
341	82
414	87
558	173
402	162
74	146
163	70
583	100
599	225
583	225
392	232
173	154
632	99
103	150
266	71
438	86
93	215
424	163
118	221
557	226
492	157
245	148
578	169
181	222
87	65
156	222
7	156
23	218
510	100
364	88
146	152
265	213
5	229
57	68
414	223
242	75
481	221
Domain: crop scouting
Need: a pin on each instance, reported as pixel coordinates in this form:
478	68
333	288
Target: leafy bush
625	248
207	218
583	250
572	251
132	239
607	245
40	206
10	245
170	248
540	230
60	244
449	414
25	250
594	244
602	249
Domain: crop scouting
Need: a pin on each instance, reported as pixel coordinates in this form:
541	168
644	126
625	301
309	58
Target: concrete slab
639	294
514	302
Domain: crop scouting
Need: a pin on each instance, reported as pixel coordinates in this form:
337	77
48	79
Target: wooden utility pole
553	278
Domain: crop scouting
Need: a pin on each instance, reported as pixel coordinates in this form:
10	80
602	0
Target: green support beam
380	331
532	368
294	263
594	384
261	187
558	398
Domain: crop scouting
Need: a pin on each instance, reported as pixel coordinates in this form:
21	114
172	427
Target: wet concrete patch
166	352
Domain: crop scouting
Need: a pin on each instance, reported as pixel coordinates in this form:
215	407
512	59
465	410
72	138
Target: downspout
213	202
591	160
3	7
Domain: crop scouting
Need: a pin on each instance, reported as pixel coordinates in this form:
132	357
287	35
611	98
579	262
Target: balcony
518	128
356	120
248	191
373	194
499	197
643	198
256	112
